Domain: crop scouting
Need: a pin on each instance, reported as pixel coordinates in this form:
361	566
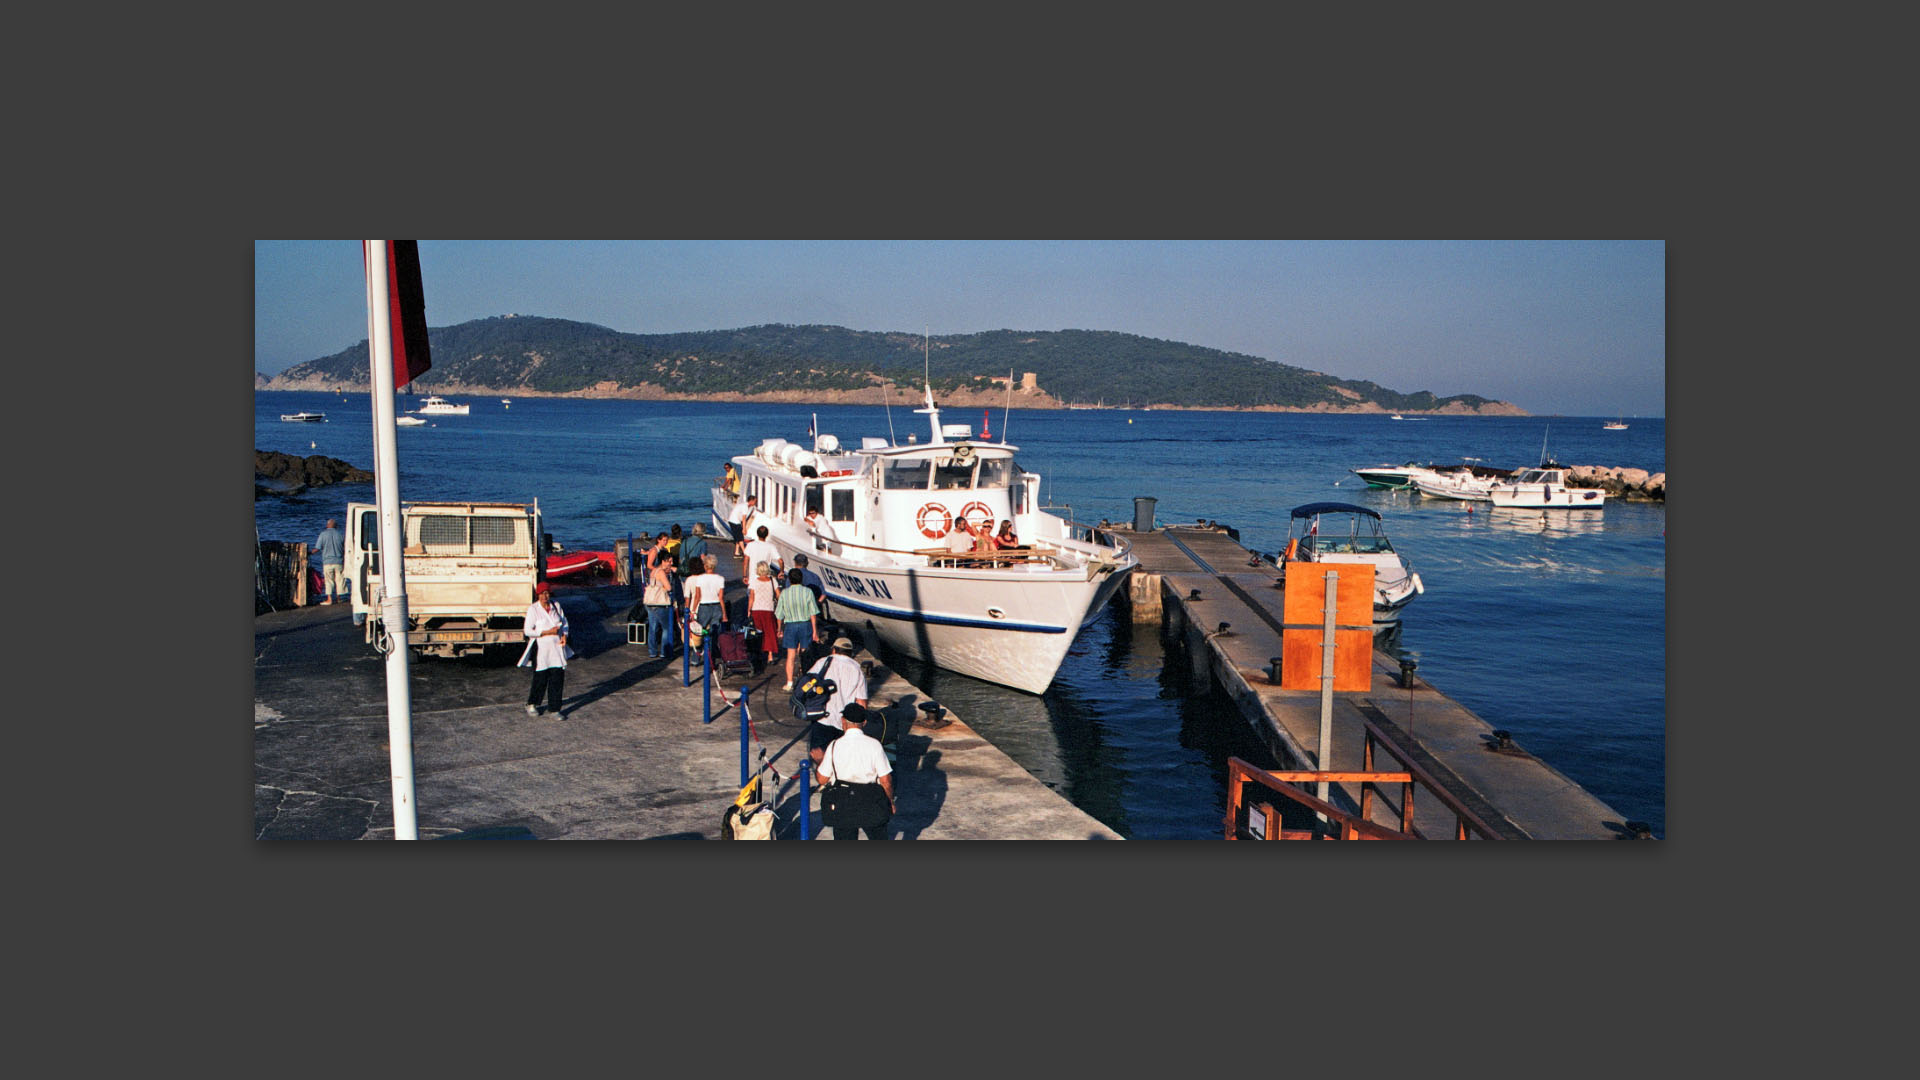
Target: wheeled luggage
730	652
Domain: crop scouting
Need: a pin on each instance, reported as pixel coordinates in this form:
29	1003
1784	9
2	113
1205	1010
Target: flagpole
386	481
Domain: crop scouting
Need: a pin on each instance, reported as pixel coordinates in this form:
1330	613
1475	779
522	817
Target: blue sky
1573	327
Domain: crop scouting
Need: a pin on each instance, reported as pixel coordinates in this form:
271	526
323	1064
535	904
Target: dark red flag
406	312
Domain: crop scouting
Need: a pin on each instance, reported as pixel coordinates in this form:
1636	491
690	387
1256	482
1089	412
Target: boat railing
1264	822
959	559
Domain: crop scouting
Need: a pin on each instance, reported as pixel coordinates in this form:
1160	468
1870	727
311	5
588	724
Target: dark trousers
548	681
874	832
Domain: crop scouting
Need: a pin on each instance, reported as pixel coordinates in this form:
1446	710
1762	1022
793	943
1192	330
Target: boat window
842	504
814	501
953	477
994	473
910	473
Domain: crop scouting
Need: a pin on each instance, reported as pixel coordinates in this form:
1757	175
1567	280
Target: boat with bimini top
887	513
1337	532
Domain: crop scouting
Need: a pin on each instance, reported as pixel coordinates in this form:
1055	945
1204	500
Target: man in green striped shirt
799	616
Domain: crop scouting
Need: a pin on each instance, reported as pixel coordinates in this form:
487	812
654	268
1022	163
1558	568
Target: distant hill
537	356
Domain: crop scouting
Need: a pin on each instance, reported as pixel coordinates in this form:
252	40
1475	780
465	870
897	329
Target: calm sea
1550	624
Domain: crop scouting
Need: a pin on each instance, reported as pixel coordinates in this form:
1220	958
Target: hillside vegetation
522	354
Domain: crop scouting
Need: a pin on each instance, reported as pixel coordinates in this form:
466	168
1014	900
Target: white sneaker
533	710
789	686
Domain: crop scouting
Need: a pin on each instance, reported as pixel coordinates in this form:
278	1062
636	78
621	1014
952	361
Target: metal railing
1258	821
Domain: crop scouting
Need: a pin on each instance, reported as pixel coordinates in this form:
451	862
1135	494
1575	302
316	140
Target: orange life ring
946	521
986	513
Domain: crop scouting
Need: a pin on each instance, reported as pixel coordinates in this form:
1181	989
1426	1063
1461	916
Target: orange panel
1305	616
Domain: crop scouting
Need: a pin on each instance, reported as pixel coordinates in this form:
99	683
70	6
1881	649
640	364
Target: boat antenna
886	398
1543	445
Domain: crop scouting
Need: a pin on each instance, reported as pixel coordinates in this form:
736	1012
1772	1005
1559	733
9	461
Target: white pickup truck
471	570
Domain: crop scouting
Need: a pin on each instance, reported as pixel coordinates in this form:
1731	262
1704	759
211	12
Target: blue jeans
659	618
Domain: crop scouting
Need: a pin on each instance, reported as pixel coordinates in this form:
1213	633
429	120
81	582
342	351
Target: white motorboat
439	406
408	421
1397	477
1616	424
1007	617
304	417
1336	532
1459	484
1544	488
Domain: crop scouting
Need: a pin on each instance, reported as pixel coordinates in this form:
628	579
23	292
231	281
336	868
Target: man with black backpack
844	683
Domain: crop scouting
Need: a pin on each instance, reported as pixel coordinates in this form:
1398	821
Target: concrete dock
631	758
1193	578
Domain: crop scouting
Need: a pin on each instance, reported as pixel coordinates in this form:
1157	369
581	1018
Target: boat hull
1537	497
1009	627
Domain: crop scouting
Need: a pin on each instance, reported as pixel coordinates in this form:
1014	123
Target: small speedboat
1614	425
1396	477
1461	484
408	421
304	417
1544	488
579	562
1336	532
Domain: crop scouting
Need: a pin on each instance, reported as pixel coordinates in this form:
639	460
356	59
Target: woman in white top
704	594
546	630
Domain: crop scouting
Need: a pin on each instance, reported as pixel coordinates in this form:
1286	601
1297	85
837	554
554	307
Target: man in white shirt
857	758
824	540
740	519
960	537
759	550
849	688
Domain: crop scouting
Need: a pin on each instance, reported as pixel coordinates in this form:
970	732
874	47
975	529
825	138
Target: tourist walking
547	651
706	592
799	619
333	560
658	598
812	581
857	761
849	688
761	550
761	594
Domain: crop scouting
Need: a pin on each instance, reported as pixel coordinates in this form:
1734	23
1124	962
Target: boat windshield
950	477
911	473
994	473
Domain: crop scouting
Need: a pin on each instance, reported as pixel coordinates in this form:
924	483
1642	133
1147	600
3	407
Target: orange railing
1248	819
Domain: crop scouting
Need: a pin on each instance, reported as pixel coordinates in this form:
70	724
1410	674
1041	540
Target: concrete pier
1205	577
631	759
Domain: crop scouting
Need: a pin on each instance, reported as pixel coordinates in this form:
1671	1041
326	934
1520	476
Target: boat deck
1526	797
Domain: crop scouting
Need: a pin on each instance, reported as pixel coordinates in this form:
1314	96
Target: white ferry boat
1007	617
438	406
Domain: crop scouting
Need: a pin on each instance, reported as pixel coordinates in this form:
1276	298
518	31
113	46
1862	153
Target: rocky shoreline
1620	483
275	473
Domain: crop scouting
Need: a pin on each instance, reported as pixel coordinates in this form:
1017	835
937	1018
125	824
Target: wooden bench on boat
981	560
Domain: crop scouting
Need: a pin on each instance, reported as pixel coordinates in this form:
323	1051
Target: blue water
1550	624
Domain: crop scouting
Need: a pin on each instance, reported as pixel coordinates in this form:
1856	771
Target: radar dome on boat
826	444
956	431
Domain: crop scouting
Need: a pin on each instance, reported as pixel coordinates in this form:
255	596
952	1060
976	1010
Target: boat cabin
888	496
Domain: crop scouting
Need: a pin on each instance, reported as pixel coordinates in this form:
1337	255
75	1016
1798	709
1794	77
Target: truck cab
471	569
